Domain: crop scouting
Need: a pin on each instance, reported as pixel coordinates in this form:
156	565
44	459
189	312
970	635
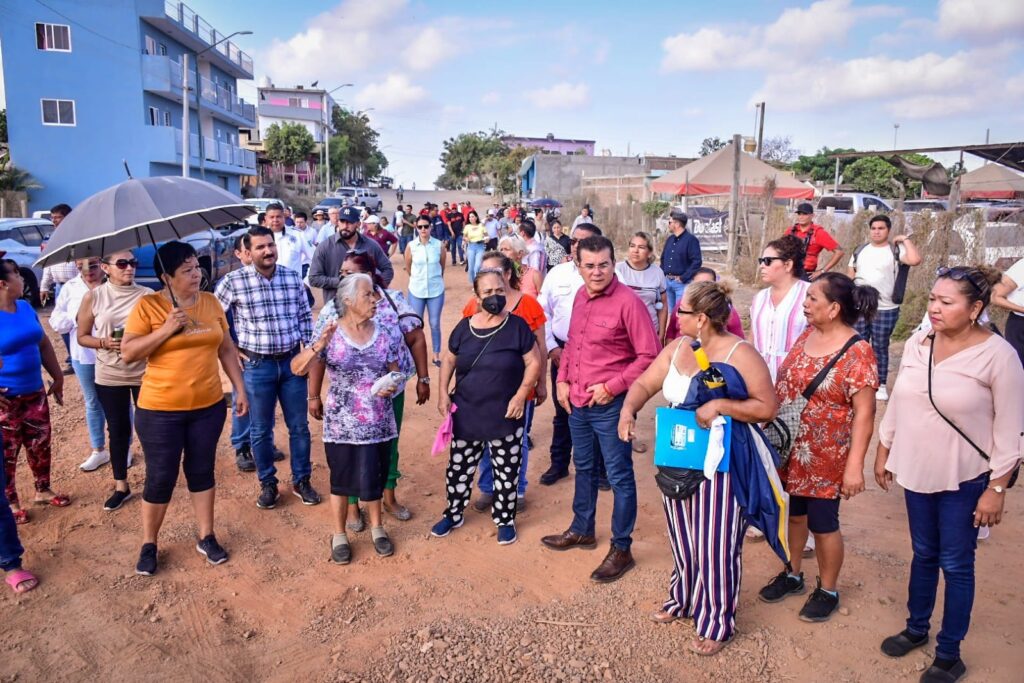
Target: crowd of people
553	313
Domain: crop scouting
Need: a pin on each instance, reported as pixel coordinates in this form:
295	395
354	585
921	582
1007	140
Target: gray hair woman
359	425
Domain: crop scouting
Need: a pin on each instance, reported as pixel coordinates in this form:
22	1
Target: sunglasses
423	227
767	260
683	311
123	263
958	274
89	266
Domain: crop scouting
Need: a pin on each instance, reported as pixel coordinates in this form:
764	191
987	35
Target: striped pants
706	534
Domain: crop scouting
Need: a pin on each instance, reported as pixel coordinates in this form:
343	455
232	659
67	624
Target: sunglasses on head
958	274
123	263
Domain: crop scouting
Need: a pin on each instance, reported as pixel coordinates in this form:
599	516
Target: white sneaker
882	394
95	461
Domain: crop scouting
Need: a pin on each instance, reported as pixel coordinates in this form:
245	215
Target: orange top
528	308
183	373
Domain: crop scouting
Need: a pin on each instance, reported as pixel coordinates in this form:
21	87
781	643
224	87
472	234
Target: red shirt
611	340
815	239
466	208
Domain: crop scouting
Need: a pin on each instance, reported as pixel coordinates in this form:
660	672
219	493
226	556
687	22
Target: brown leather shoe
616	563
569	539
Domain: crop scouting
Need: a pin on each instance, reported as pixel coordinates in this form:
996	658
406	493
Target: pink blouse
981	389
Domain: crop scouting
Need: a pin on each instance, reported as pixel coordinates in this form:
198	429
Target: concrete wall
562	176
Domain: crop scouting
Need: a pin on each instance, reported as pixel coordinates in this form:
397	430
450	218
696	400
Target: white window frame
154	116
149	43
48	35
161	49
167	119
42	112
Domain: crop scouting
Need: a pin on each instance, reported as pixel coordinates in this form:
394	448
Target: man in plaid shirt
272	319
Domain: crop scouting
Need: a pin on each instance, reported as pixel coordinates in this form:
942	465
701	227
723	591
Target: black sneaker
278	454
212	550
115	501
341	554
384	546
782	586
268	496
552	475
147	560
902	643
244	459
819	606
303	490
944	671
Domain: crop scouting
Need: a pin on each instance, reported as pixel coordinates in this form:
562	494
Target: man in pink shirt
611	342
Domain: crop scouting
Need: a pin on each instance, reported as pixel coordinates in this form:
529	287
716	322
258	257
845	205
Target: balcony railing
219	152
163	74
195	24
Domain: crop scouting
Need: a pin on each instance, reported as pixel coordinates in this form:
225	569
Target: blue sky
652	77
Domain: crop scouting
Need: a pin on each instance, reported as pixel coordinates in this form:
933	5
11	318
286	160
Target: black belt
252	355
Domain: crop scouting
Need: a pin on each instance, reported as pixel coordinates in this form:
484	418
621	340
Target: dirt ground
455	609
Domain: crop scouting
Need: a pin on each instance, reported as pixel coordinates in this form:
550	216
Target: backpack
899	288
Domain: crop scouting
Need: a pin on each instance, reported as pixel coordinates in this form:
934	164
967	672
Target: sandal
58	501
20	516
639	446
696	648
662	617
399	512
21	581
359	523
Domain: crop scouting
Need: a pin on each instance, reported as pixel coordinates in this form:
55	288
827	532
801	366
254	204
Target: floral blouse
818	461
352	415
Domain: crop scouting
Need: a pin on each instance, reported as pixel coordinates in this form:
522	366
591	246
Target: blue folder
680	442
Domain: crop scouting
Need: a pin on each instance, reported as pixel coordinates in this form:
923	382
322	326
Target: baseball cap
349	214
804	207
372	219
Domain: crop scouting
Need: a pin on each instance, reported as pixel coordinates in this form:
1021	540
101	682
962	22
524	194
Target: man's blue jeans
487	474
675	294
943	535
598	426
240	425
10	547
266	383
455	245
86	374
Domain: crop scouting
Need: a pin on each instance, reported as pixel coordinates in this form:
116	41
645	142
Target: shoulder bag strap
931	355
394	306
820	377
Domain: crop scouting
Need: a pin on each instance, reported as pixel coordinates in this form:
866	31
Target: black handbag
678	483
931	355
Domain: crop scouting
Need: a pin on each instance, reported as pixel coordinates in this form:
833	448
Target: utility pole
760	132
185	133
734	202
895	134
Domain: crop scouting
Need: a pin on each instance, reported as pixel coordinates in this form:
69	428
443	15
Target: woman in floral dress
358	425
827	460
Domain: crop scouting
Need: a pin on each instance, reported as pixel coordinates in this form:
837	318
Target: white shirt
1016	273
292	250
556	297
64	319
309	233
582	219
649	284
876	266
397	221
326	231
776	328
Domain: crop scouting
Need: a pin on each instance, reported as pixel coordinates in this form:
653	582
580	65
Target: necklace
493	332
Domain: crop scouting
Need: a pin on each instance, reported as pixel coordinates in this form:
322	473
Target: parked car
260	205
385	182
361	196
215	249
24	240
932	205
332	203
852	202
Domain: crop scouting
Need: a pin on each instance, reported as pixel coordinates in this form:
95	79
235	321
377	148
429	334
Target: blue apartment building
94	84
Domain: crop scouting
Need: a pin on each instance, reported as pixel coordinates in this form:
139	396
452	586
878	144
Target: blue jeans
266	383
86	375
403	242
943	536
10	547
598	426
675	294
433	305
487	474
240	425
475	256
455	245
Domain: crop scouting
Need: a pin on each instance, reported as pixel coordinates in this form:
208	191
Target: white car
361	196
260	205
23	240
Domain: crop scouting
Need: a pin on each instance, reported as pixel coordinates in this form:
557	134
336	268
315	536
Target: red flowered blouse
818	461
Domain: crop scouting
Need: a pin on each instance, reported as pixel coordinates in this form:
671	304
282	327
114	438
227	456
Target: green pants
398	404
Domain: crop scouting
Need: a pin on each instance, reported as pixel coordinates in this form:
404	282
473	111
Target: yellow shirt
183	373
474	233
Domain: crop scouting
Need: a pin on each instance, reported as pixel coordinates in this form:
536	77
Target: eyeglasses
123	263
767	260
959	273
89	266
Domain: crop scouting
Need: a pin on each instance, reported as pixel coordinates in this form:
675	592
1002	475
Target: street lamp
327	136
184	107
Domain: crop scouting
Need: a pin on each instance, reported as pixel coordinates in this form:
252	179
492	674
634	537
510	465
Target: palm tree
14	179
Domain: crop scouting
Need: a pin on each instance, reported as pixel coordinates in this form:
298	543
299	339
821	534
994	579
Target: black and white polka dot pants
505	457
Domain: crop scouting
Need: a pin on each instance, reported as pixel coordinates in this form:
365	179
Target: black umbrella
141	211
545	203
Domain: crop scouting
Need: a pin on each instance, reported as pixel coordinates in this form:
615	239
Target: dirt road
455	609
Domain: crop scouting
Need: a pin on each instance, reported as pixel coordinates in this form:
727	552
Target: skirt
358	470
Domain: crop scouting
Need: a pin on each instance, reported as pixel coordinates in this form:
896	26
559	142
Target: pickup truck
847	204
216	251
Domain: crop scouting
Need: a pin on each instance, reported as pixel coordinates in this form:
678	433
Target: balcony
165	147
162	75
180	21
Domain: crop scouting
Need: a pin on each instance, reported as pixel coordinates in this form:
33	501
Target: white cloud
394	93
981	19
429	49
933	106
560	96
491	97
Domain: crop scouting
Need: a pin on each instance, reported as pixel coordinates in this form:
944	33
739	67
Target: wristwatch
424	380
997	489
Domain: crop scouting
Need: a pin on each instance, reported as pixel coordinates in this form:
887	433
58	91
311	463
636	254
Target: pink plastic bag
443	439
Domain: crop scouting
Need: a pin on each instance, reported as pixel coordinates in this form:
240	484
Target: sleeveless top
111	305
677	385
425	281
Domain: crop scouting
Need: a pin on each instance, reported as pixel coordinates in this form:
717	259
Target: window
154	116
161	49
58	112
300	102
31	237
56	37
150	45
167	118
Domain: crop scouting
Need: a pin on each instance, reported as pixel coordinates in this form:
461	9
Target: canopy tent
992	181
713	175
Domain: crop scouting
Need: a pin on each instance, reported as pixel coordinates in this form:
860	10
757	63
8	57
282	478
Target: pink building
552	145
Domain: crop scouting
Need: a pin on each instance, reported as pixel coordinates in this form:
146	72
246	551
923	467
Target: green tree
470	154
504	168
3	125
14	179
375	164
821	166
288	143
711	145
876	175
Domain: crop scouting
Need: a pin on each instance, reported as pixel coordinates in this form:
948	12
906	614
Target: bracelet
313	398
